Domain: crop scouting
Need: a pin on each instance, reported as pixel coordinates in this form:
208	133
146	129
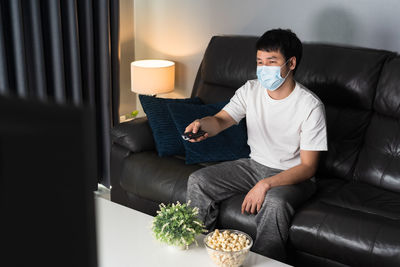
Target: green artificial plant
177	224
133	114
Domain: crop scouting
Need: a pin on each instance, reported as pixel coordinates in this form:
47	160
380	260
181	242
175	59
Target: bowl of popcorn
228	247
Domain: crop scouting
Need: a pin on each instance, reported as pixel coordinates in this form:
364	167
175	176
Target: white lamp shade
151	77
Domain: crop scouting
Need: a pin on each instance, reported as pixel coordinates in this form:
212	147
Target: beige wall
127	55
179	30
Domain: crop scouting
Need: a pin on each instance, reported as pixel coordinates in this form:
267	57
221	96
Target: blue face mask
270	76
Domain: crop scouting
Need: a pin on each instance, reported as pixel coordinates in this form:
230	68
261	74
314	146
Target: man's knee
278	204
198	178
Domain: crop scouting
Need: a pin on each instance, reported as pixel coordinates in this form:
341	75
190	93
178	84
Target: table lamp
152	77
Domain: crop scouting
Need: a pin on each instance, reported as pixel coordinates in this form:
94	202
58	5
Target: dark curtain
66	52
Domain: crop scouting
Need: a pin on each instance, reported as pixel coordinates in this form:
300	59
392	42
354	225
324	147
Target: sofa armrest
135	135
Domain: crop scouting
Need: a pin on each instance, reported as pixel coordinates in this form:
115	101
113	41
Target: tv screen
47	179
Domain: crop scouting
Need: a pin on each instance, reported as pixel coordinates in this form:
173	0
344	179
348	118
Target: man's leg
274	218
210	185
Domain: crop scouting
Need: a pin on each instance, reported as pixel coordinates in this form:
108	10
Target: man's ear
293	63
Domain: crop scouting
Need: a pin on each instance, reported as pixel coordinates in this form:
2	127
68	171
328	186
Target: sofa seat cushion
366	198
231	217
359	196
358	225
154	178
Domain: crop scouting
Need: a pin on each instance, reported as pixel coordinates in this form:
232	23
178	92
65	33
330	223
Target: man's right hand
194	128
212	125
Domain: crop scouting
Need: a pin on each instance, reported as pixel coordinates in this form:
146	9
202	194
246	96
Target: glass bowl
231	258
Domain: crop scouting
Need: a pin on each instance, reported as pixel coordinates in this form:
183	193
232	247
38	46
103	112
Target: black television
47	179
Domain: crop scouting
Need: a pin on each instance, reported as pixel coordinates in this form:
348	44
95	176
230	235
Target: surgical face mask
270	76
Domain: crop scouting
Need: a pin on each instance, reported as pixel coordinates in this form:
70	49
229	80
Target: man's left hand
255	197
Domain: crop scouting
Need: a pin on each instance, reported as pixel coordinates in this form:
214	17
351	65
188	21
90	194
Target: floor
103	192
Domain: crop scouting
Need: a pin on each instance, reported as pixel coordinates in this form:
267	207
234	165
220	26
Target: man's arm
212	125
305	170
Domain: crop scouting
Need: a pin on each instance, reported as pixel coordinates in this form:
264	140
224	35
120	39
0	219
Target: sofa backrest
345	79
229	61
379	160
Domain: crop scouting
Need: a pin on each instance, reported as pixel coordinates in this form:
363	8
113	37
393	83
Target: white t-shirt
278	129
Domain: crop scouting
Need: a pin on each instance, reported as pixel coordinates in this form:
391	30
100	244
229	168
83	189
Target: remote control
190	135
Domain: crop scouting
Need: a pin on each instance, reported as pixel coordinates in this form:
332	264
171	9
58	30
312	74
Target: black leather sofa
354	218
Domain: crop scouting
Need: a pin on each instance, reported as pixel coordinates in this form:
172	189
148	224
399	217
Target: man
286	131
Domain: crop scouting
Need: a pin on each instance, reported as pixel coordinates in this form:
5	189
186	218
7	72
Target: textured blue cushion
167	139
230	144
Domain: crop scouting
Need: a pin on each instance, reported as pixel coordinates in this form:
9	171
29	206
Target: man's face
275	58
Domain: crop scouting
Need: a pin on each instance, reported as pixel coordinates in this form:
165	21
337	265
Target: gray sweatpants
210	185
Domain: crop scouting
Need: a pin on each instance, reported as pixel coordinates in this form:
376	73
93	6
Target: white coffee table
124	239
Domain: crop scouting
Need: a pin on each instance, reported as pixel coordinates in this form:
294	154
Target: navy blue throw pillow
230	144
167	139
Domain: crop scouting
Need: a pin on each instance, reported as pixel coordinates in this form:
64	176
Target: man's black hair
284	41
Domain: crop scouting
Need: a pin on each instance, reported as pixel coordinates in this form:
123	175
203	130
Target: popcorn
228	248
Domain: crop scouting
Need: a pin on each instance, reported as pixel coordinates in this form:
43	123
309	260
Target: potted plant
177	225
129	116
